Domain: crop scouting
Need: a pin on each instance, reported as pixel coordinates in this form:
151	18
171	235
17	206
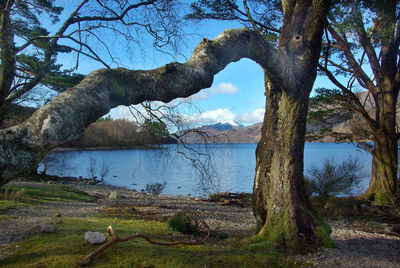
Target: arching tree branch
65	118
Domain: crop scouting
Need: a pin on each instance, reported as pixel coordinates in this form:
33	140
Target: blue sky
237	93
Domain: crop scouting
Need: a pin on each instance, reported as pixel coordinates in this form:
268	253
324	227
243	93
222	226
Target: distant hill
252	133
334	128
226	133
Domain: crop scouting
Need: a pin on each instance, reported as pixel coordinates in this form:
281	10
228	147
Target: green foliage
266	13
332	178
105	119
158	130
326	107
26	22
184	223
155	188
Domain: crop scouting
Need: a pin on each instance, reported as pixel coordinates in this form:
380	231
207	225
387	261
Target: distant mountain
334	128
226	133
222	126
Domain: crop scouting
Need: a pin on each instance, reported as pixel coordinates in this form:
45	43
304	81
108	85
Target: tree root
115	239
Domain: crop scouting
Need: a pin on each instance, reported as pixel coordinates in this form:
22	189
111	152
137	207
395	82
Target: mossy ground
14	196
67	246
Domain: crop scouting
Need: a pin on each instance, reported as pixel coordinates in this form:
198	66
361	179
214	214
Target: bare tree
91	30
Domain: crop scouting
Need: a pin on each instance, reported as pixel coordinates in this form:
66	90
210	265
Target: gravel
361	243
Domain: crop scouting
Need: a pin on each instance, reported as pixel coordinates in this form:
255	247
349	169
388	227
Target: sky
236	95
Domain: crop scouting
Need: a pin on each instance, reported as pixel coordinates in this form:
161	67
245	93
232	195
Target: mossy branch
67	116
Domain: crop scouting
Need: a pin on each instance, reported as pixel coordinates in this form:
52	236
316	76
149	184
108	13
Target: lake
231	167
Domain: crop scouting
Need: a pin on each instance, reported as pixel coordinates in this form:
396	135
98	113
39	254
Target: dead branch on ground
115	239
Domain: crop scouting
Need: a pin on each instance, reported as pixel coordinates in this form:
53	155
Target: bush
183	223
333	178
155	188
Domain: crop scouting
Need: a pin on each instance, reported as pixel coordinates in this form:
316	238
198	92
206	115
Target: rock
114	195
95	238
48	228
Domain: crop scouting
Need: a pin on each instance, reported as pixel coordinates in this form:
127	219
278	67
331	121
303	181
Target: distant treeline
123	134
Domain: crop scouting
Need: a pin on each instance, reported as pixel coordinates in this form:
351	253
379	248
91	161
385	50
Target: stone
48	228
114	195
95	238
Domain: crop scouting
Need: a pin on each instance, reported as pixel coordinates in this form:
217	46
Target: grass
14	196
67	246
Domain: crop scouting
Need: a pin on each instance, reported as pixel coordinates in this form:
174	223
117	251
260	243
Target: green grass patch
6	204
12	196
5	217
67	246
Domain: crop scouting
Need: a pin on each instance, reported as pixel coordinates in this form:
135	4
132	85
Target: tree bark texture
383	185
280	204
7	51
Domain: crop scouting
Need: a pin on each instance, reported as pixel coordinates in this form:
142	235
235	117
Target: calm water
231	166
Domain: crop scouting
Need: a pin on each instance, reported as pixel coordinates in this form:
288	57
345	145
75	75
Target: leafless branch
354	99
115	239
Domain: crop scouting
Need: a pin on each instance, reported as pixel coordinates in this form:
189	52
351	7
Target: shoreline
107	148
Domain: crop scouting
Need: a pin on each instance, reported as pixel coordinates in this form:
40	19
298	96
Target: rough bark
7	51
65	118
383	185
280	204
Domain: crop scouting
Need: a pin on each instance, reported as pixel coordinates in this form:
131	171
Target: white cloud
121	112
222	88
256	116
225	88
226	115
208	117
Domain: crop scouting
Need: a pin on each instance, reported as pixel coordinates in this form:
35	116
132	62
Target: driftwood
116	239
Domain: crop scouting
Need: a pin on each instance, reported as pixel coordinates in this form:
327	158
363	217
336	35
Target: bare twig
115	239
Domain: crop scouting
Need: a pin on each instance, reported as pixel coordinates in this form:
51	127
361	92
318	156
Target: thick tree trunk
383	184
7	54
280	203
282	209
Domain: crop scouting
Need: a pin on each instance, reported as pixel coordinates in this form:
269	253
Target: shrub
183	223
333	178
155	188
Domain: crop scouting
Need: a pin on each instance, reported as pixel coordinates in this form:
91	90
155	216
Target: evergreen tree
361	53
